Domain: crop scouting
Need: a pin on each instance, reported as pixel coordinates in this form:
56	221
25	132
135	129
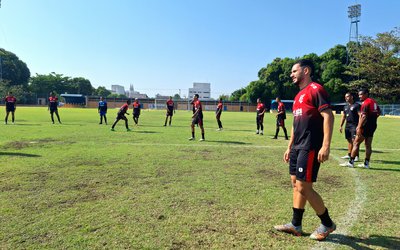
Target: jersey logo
301	170
314	86
301	98
297	112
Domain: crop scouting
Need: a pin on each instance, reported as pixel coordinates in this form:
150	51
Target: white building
118	89
202	89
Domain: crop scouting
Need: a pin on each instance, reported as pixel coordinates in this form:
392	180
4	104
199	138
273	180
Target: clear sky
163	46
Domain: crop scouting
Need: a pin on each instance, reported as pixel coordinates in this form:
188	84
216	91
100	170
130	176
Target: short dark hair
196	95
364	91
306	63
129	101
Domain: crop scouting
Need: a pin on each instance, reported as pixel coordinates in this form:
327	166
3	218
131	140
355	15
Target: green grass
78	185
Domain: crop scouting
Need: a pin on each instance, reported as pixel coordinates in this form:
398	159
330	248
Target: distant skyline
165	46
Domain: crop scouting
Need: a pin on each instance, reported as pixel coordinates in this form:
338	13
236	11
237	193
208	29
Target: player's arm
329	119
287	152
342	122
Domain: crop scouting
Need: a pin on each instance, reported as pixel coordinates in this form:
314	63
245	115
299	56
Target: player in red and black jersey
136	111
170	111
260	117
366	127
350	115
218	113
309	146
53	107
280	119
197	117
121	115
10	102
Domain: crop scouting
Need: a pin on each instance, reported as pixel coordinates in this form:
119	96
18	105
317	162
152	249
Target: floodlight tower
354	12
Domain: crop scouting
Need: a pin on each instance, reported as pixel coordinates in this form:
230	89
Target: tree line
373	63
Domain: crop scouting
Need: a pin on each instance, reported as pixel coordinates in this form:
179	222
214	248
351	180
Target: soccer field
78	185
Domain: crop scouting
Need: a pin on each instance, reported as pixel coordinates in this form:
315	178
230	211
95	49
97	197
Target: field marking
339	237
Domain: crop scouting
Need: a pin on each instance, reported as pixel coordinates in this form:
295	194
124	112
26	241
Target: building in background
202	89
135	94
118	89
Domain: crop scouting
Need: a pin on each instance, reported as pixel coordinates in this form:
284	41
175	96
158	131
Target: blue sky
163	46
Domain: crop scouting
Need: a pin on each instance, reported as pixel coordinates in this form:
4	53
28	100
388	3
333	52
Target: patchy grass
79	185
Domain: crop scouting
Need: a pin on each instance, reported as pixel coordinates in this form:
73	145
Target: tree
377	66
15	71
237	94
177	97
102	91
224	97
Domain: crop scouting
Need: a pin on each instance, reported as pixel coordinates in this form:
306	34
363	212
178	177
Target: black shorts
121	117
280	122
369	130
10	109
350	132
197	120
260	118
136	115
170	112
52	110
304	164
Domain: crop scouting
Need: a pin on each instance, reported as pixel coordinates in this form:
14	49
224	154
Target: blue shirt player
102	109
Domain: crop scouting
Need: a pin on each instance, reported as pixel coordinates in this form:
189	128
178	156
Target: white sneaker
218	129
191	138
262	132
362	165
356	159
201	139
347	164
345	157
257	132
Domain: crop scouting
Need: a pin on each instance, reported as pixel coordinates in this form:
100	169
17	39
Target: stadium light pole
354	13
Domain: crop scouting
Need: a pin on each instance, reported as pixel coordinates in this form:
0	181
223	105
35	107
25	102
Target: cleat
128	129
257	132
356	159
262	132
345	157
202	139
112	129
289	228
273	137
347	164
164	125
322	232
191	139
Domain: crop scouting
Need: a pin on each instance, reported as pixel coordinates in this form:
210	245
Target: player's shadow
145	132
231	142
362	150
387	162
18	154
27	124
372	242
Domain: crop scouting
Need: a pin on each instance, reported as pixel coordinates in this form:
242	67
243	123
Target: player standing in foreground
102	110
197	117
309	146
121	115
280	119
10	101
170	111
136	111
350	115
366	127
218	113
53	107
260	117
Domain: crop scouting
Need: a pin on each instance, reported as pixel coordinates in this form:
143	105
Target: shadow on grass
231	142
387	162
372	242
362	150
145	132
27	124
18	154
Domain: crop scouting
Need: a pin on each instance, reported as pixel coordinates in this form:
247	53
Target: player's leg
166	119
101	119
192	128
170	120
284	129
6	118
202	129
368	151
356	147
58	116
258	124
105	118
262	125
13	116
52	115
126	122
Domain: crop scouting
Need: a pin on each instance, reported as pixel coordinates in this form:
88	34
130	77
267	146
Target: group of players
309	143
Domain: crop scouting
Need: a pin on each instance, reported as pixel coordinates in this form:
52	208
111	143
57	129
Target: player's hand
323	154
359	131
341	129
286	155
